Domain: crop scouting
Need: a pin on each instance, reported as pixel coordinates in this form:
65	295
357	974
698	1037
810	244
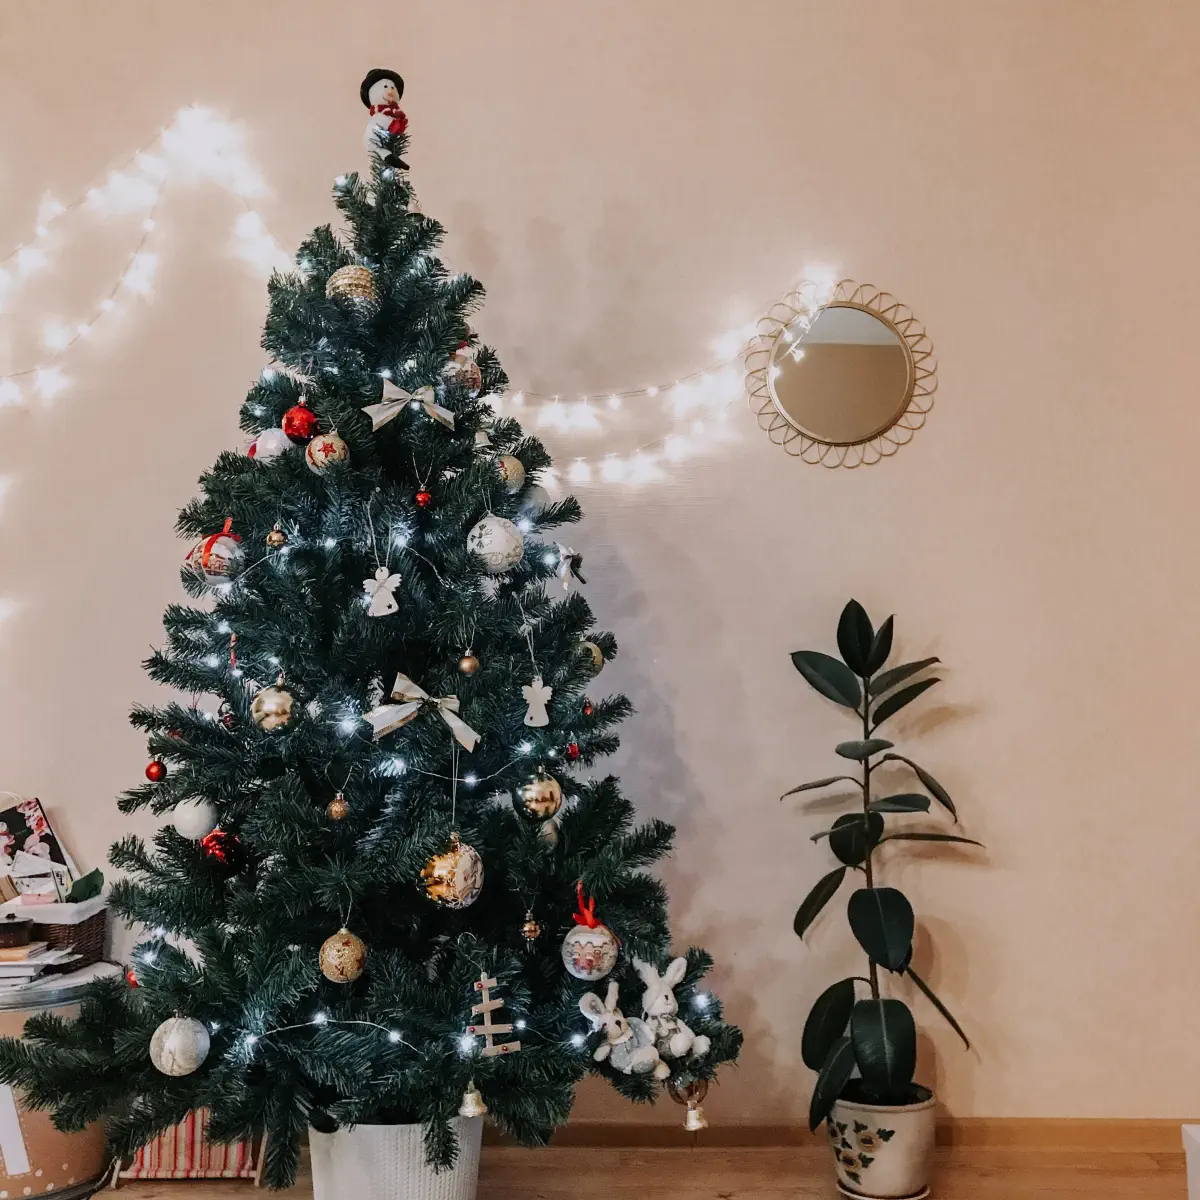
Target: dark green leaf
818	783
816	900
834	680
890	705
881	647
854	836
889	679
938	1005
905	802
884	1036
835	1074
882	920
858	750
929	837
826	1023
935	789
855	637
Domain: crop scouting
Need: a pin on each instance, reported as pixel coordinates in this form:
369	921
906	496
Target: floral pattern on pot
855	1148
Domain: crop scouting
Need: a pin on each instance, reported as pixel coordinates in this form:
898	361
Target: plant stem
866	788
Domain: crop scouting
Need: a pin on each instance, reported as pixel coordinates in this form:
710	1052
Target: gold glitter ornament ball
454	878
541	796
276	538
353	285
343	957
530	929
337	809
271	707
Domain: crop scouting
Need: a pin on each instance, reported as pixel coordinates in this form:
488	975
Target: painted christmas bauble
530	929
454	878
498	542
276	538
512	471
354	285
156	770
343	957
325	449
271	708
464	370
269	444
218	557
337	809
299	423
589	951
594	652
179	1046
541	796
194	819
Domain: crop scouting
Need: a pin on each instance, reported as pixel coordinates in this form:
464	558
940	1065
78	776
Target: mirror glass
844	379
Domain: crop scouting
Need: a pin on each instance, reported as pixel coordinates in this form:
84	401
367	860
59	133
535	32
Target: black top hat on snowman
372	77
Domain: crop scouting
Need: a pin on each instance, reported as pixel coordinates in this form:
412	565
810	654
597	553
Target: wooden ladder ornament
489	1029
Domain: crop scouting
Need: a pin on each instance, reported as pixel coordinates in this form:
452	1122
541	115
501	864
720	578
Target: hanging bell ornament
271	708
454	878
541	796
530	929
337	809
156	770
691	1094
472	1102
468	664
343	957
276	538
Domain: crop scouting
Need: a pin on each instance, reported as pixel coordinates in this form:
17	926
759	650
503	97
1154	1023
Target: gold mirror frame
805	305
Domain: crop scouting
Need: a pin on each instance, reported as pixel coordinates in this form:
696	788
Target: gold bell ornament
691	1094
472	1102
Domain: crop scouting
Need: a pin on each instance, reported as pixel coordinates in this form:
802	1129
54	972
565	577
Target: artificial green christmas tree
385	799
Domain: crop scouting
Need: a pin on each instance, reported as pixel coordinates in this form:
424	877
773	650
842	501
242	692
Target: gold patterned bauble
468	664
691	1094
355	285
472	1102
337	809
512	471
276	538
325	450
343	957
454	878
271	708
597	655
541	796
530	929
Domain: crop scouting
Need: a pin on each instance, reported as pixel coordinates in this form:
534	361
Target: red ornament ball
299	423
423	498
224	851
572	750
226	714
156	770
131	977
588	708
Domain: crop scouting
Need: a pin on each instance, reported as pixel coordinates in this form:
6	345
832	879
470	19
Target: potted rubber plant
861	1041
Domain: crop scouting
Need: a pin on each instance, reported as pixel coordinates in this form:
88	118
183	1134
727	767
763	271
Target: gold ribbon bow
394	400
414	698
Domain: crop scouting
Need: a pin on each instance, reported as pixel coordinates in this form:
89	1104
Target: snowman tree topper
380	93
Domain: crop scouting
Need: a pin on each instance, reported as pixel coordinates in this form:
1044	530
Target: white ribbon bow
389	717
394	400
381	590
568	565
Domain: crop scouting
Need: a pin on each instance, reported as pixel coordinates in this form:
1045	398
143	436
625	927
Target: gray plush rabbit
672	1037
629	1044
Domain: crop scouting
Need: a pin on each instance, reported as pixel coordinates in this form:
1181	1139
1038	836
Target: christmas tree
383	812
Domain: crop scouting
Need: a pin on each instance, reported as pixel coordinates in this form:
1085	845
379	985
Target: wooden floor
582	1173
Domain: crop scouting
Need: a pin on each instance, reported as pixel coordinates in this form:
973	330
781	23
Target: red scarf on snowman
399	122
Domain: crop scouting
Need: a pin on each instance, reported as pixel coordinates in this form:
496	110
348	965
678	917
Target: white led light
321	1018
525	747
470	780
551	560
385	374
107	304
215	1026
10	393
398	766
148	956
148	224
577	1039
614	401
251	1039
394	1036
268	373
212	661
330	543
273	659
348	724
236	672
519	1024
48	382
160	932
525	525
223	627
701	1000
466	1043
652	390
340	181
518	399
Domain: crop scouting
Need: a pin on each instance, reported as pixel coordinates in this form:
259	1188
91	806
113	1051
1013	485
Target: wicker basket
85	937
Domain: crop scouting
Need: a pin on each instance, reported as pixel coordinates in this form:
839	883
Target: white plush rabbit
659	1006
629	1043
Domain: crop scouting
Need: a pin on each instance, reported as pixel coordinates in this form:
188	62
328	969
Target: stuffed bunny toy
629	1044
672	1037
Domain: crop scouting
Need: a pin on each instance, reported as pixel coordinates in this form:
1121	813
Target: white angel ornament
381	593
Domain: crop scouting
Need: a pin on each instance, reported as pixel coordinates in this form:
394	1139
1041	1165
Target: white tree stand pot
881	1152
387	1162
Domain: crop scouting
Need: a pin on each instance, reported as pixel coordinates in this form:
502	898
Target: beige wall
630	179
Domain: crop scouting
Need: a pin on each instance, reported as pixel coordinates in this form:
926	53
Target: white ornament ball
179	1046
194	819
512	471
589	951
216	559
269	444
324	449
498	542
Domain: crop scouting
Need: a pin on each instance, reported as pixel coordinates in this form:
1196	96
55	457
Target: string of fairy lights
200	146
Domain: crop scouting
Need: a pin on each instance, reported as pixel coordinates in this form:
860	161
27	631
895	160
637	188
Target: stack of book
20	965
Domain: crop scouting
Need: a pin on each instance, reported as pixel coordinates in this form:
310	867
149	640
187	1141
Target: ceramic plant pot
883	1152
